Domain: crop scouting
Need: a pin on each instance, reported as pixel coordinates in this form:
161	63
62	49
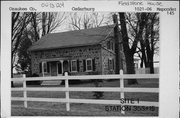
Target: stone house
79	52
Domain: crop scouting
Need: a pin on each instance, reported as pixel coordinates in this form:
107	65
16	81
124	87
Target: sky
66	25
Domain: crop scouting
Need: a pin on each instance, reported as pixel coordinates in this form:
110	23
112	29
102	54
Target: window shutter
108	44
48	67
84	65
113	64
112	46
69	65
78	65
93	64
40	67
108	65
59	68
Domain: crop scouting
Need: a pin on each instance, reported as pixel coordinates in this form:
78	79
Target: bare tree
41	24
45	22
151	40
148	44
18	26
34	25
50	21
140	32
130	46
19	23
86	20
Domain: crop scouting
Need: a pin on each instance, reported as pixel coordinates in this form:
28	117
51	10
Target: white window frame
112	45
87	65
72	65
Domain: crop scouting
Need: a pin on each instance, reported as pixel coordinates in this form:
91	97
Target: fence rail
121	89
105	89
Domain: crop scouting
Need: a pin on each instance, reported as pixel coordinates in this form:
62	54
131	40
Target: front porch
57	67
54	67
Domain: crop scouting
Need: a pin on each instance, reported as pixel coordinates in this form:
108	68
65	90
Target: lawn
59	109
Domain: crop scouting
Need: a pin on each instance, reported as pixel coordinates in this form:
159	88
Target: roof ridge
82	29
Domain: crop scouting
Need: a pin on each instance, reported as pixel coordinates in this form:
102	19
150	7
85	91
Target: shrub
98	94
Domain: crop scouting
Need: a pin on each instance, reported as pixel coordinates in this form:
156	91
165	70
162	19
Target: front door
53	68
65	66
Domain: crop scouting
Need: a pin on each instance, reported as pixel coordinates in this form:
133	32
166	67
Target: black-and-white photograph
85	63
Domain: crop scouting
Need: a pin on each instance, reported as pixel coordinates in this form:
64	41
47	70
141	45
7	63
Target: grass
59	109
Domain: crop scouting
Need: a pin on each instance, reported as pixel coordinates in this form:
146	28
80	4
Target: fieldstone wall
106	55
80	53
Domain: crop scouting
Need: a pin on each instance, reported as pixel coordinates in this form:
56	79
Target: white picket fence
67	89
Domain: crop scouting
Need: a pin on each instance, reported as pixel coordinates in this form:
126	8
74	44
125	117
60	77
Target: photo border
169	51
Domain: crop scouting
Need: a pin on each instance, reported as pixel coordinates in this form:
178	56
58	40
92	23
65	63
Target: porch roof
72	38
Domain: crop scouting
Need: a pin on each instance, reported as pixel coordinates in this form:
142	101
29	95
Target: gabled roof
72	38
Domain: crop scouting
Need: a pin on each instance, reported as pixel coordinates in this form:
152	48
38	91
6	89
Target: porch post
43	69
57	68
62	65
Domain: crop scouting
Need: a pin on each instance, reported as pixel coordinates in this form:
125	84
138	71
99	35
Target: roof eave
71	46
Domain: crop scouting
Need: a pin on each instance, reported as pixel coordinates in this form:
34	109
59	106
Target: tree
35	25
40	24
140	33
149	43
86	20
130	48
23	63
45	22
19	23
151	39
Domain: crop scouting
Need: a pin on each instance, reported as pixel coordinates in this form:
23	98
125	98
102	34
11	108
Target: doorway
65	66
53	68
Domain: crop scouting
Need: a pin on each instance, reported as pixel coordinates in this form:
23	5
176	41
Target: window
88	64
110	45
74	65
111	64
45	66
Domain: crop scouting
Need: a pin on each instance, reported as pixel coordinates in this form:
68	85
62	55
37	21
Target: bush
98	94
97	83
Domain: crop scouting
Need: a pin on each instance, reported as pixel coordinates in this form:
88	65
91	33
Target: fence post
67	92
122	87
24	90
